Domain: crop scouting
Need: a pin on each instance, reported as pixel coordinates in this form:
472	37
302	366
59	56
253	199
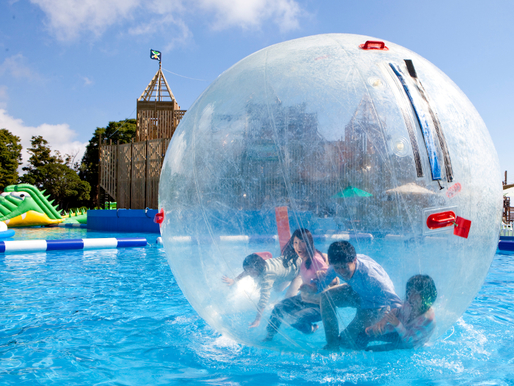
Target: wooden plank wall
130	172
108	160
137	182
124	175
156	124
156	150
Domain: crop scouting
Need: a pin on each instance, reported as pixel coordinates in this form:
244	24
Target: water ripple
119	318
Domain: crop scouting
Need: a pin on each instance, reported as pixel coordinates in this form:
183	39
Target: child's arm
266	283
294	287
418	331
325	279
377	329
228	281
308	288
381	327
256	321
333	282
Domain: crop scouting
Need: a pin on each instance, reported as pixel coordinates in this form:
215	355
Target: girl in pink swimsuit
303	308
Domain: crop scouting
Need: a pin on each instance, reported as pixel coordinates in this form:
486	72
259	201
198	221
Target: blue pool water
117	317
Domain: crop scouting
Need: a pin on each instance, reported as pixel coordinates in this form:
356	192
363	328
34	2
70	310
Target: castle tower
158	113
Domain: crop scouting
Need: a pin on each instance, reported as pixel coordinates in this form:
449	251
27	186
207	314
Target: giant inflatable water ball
358	139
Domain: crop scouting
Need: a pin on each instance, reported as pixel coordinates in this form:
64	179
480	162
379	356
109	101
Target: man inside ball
366	287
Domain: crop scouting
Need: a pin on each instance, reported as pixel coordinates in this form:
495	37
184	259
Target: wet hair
425	286
254	261
290	255
341	252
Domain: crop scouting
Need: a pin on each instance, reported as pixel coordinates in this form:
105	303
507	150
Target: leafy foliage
65	186
40	155
52	173
119	132
10	158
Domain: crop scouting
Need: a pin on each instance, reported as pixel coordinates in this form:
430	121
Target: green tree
40	155
118	132
65	186
10	158
52	173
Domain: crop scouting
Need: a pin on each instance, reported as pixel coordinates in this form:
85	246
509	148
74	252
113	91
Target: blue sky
67	67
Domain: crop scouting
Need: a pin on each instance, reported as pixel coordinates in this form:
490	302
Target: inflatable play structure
25	205
352	135
77	216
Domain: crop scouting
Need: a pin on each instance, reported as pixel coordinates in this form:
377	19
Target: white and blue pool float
17	246
5	233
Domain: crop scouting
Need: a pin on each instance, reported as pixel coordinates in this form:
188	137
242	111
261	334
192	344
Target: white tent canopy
410	188
510	193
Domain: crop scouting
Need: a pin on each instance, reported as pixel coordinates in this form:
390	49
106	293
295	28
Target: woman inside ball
303	308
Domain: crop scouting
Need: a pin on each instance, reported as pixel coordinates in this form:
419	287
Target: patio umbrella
510	193
410	188
350	191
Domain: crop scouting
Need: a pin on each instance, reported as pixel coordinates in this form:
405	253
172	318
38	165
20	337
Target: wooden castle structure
129	173
508	210
158	113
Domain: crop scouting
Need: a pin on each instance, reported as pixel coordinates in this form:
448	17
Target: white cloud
87	81
165	24
16	67
60	137
252	13
67	20
183	36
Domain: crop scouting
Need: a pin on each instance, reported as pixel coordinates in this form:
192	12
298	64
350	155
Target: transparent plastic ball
360	142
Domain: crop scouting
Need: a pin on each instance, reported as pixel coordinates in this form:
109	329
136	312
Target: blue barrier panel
506	245
123	220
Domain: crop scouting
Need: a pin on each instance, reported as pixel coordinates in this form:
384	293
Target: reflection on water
118	317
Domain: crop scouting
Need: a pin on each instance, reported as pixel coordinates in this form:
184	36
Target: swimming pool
117	317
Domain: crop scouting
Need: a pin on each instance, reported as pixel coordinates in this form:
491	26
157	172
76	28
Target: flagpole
156	55
160	74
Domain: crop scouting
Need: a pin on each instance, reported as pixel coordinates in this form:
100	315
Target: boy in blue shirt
367	288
